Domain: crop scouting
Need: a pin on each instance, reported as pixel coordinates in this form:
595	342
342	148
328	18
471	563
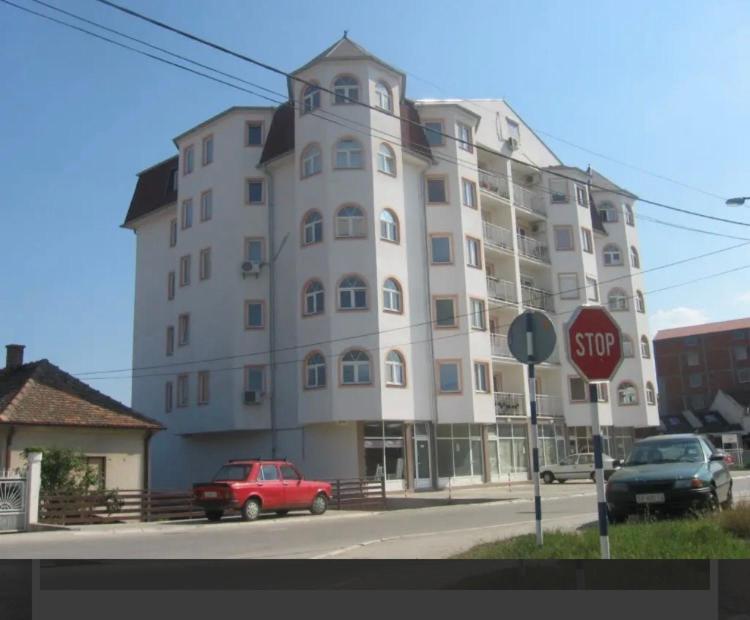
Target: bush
64	471
737	520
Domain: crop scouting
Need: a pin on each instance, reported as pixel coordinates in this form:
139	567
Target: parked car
670	474
576	467
254	486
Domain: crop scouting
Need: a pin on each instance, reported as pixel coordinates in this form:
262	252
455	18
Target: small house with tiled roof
42	406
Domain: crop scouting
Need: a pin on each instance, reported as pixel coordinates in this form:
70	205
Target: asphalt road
419	533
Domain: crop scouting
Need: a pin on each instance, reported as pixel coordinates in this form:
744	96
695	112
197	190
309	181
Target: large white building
333	283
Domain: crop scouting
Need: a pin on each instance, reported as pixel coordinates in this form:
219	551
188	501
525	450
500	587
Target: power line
288	75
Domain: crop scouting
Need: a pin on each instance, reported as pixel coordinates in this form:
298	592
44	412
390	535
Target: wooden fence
115	506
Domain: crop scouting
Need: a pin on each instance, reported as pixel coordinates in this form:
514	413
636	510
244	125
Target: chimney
13	356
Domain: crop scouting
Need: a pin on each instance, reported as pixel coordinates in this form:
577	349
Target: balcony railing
500	346
494	184
537	298
531	248
526	199
549	405
501	290
498	237
508	403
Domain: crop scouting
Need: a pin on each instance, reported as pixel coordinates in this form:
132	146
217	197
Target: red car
253	486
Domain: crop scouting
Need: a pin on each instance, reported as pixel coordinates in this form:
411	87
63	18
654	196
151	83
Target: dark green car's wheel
729	502
617	517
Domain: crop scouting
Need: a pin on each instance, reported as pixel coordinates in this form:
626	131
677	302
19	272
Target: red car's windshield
232	472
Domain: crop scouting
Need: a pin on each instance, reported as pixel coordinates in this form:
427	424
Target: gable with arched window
612	255
383	97
640	304
311	160
617	300
310	98
386	159
627	394
395	369
313	298
650	393
627	346
348	154
635	259
645	348
355	368
608	212
629	217
312	227
350	222
392	296
389	228
345	89
352	293
315	371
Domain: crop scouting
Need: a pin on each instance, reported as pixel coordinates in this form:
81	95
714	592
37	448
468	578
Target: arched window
355	368
314	298
350	222
640	304
627	394
627	346
383	97
391	295
635	260
645	348
629	217
389	226
315	371
345	89
311	160
312	228
352	293
608	212
395	369
348	154
310	98
650	393
386	160
617	300
612	255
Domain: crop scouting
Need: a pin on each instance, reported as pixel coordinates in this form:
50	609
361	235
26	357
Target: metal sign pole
534	437
596	434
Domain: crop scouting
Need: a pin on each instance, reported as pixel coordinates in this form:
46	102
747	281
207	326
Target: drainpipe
147	460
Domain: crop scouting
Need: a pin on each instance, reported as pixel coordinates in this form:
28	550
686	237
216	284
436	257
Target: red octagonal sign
594	343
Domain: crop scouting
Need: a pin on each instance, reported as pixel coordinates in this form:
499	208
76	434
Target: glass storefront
508	446
551	442
384	450
616	440
459	448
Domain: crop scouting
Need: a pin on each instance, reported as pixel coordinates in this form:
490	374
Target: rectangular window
740	352
691	341
481	377
693	358
433	131
254	133
168	396
577	390
254	194
581	195
586	240
187	213
255	380
695	380
463	133
738	334
170	340
564	238
469	193
183	329
172	233
592	289
208	150
436	192
207	205
558	190
440	249
185	270
182	390
473	252
514	129
254	314
171	280
743	375
188	159
478	320
203	387
445	312
568	283
255	250
204	264
449	376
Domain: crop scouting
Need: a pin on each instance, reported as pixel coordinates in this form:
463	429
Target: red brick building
693	363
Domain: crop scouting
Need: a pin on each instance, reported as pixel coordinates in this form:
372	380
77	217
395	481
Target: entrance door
422	478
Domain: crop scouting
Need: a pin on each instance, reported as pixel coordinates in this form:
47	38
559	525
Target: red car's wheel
251	510
319	505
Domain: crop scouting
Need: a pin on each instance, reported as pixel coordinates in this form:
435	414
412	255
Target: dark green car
669	474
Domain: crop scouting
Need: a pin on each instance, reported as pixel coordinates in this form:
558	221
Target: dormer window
310	98
383	97
172	184
345	90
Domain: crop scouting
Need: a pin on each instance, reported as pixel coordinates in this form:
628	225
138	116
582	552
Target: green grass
724	536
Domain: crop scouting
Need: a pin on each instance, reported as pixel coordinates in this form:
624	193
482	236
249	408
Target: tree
65	471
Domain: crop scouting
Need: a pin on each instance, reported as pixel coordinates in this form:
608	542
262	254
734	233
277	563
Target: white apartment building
333	284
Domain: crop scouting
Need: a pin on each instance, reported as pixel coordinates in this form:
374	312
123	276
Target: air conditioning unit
513	144
252	397
250	268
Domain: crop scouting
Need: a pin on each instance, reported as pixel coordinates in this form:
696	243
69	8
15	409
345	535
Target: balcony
537	298
494	184
498	237
502	291
500	346
527	200
508	403
549	405
529	247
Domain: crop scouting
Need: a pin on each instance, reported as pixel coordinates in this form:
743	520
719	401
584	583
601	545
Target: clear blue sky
663	85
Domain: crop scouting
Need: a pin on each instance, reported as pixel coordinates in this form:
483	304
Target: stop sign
594	343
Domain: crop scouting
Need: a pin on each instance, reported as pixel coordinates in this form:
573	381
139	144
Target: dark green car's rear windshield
666	451
233	472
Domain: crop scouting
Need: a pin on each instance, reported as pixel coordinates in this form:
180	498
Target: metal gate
12	500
